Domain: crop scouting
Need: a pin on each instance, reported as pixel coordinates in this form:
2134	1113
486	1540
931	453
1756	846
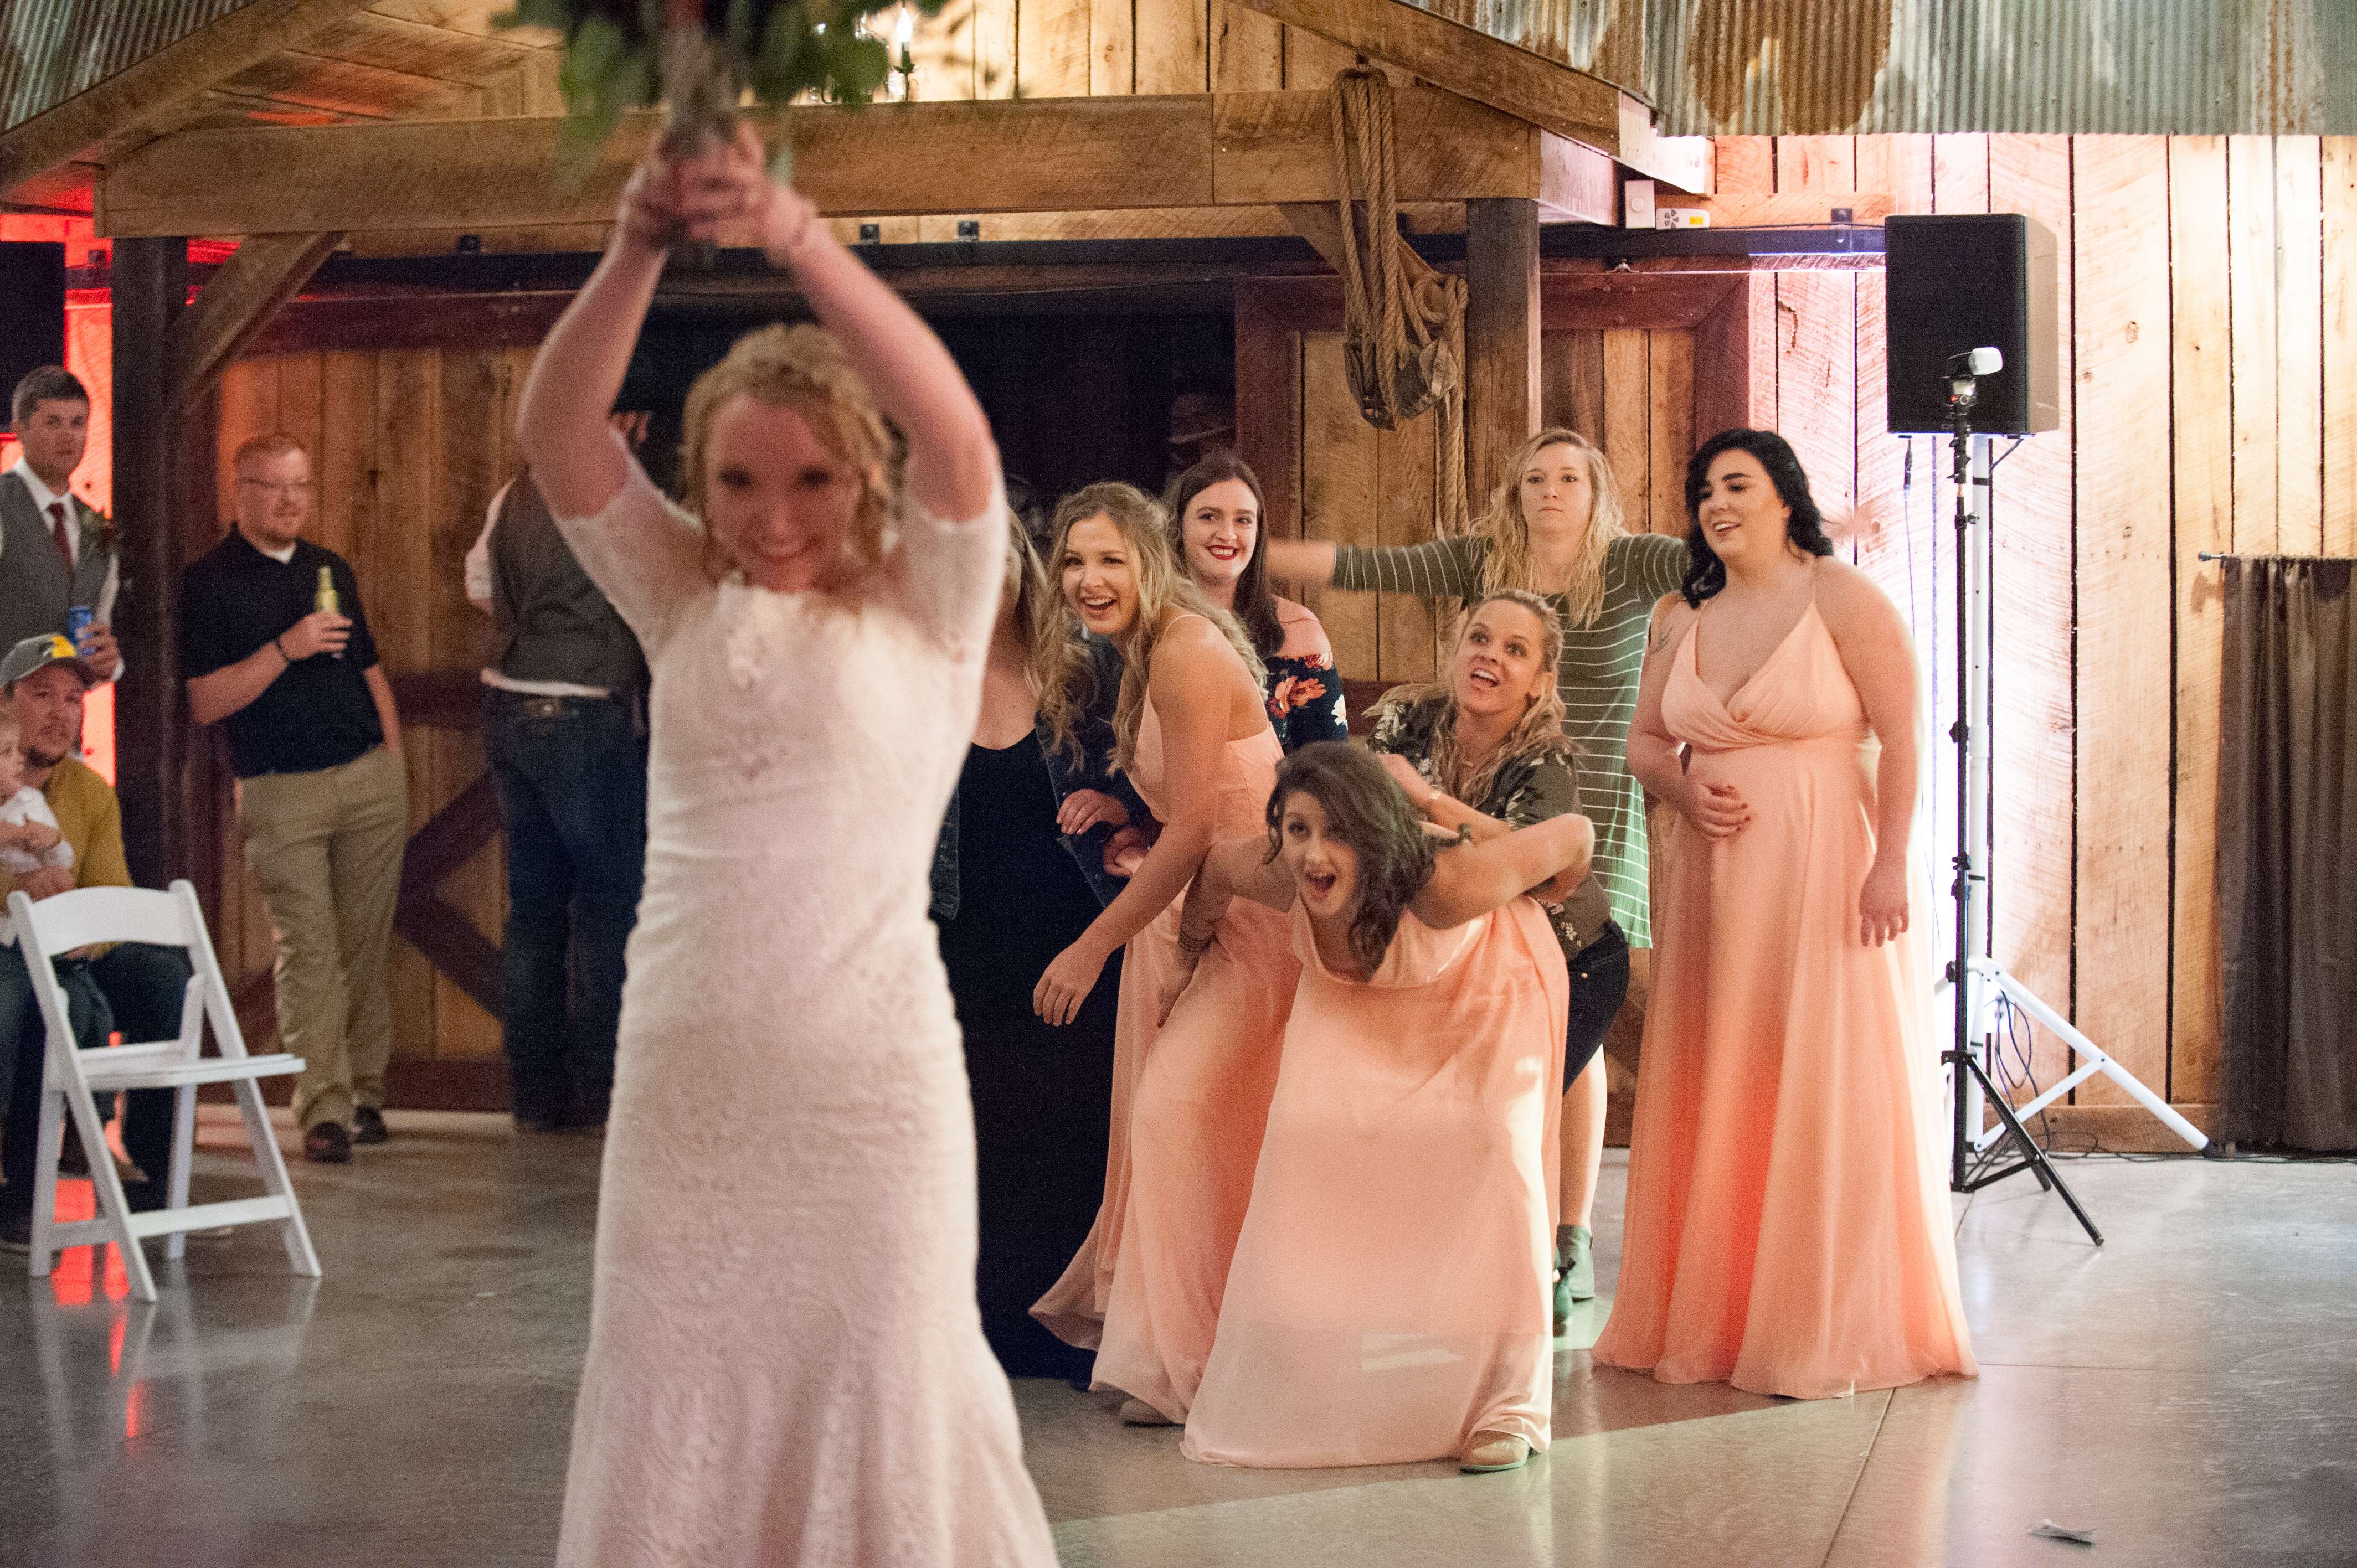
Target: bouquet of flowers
700	58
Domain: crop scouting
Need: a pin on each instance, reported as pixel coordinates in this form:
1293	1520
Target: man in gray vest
562	725
57	554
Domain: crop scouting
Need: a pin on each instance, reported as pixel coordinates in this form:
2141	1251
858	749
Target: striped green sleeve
1438	568
1652	563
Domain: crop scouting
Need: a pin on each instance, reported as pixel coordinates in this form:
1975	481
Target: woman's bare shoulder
1849	599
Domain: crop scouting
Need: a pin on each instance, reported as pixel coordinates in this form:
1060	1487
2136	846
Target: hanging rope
1402	319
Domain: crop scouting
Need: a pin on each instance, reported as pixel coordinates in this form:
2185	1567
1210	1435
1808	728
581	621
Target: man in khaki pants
321	791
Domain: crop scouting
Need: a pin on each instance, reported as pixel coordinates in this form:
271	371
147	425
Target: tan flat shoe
1137	1413
1494	1451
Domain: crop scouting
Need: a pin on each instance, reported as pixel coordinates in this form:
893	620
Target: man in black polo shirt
321	790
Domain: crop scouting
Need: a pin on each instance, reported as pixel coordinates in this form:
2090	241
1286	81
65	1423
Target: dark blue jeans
133	989
571	777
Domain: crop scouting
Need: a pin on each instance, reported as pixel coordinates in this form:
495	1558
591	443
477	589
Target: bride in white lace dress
786	1364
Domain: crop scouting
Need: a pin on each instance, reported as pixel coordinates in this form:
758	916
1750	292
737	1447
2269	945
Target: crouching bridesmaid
1388	1300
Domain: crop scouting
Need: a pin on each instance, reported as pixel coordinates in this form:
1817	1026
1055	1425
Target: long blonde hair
1537	733
1507	563
1162	585
804	369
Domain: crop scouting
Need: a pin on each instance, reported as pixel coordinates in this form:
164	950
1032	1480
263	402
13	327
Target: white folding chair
61	924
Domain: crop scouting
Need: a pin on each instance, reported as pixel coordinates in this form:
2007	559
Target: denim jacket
1093	771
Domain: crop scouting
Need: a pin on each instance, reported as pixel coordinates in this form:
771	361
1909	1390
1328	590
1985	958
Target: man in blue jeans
562	725
132	988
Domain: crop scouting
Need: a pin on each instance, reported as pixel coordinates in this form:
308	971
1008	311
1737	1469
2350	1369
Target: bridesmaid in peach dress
1390	1296
1788	1227
1188	1100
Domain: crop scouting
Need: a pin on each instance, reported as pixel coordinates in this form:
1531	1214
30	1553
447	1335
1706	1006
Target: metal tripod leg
2033	1158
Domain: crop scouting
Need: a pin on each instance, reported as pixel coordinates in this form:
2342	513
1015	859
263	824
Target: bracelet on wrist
1191	943
283	656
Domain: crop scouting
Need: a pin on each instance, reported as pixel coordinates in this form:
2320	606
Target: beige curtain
2288	854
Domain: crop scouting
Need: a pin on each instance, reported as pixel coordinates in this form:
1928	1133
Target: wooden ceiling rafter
284	62
1571	103
1204	150
117	112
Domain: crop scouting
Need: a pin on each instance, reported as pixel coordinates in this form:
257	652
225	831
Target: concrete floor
2188	1392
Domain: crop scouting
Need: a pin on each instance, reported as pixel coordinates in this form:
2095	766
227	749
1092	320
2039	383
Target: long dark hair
1255	602
1706	573
1366	810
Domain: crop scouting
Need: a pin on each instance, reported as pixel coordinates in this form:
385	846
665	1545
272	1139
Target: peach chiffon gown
1788	1226
1390	1291
1189	1103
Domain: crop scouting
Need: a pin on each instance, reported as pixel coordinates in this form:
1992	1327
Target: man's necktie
57	532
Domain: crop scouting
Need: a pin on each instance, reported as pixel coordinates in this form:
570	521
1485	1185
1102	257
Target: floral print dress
1305	691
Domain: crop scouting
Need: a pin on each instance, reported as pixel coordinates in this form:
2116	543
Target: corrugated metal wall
52	49
1838	67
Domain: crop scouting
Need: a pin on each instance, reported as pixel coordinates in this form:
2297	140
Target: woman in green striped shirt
1554	528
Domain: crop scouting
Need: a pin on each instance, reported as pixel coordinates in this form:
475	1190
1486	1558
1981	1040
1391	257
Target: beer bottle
326	601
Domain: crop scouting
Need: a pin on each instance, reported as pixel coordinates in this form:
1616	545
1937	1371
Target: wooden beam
1513	80
118	107
1018	156
1501	338
149	282
1568	301
1688	164
1278	147
1268	407
263	273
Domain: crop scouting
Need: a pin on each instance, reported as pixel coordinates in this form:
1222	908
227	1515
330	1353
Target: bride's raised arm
953	461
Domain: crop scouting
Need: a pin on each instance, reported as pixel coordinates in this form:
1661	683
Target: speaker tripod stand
1980	986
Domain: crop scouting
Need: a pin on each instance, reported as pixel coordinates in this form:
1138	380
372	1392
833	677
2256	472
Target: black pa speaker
1962	281
32	313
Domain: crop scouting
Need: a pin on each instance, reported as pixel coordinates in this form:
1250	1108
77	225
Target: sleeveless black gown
1042	1096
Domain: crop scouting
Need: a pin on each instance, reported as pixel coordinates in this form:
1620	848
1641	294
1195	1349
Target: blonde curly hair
1507	563
804	369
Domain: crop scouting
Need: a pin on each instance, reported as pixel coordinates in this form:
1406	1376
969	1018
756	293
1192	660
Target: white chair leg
184	1143
275	1181
48	1146
112	1202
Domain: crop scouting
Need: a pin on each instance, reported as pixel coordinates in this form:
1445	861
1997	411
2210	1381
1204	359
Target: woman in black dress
1018	875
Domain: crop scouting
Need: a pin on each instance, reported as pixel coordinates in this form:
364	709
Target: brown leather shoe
327	1145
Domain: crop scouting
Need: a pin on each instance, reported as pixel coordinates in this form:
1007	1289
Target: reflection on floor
2188	1392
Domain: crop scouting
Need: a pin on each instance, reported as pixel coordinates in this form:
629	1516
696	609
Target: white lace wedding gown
786	1363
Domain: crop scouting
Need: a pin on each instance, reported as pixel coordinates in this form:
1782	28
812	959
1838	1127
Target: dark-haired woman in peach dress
1788	1229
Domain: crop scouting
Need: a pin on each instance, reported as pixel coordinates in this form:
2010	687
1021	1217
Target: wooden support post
1501	338
150	282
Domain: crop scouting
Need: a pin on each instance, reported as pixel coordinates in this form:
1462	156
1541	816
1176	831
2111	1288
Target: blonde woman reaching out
1193	734
1554	528
785	1362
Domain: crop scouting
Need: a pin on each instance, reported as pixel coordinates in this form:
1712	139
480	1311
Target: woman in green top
1554	528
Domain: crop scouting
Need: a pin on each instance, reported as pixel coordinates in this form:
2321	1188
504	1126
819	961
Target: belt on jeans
1612	931
541	707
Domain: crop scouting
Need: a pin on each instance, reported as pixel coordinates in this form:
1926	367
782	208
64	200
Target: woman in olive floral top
1215	511
1486	754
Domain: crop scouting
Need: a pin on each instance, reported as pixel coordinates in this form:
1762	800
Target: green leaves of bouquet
701	56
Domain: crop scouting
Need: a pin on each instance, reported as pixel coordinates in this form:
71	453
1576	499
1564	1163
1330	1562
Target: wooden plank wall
2209	355
409	446
1078	49
1632	393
